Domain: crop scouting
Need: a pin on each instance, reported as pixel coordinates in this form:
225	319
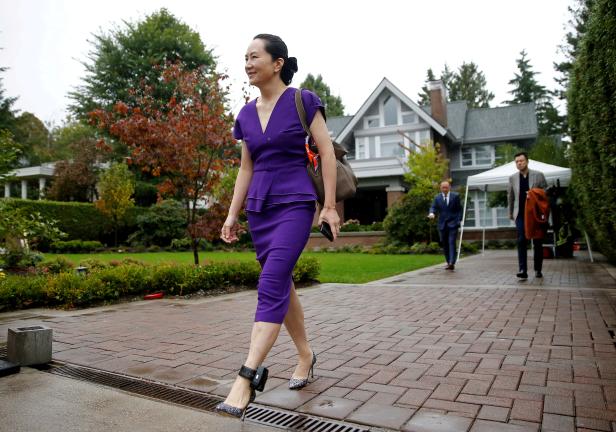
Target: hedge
110	283
592	119
80	221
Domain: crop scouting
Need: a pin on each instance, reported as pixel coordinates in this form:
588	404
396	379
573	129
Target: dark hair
278	49
522	153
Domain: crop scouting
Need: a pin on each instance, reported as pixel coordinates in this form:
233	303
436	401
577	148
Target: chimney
438	100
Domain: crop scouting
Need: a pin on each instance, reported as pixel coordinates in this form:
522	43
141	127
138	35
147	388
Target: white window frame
473	150
372	117
382	110
364	144
491	214
403	113
402	140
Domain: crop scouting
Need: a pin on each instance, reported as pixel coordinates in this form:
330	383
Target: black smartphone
326	230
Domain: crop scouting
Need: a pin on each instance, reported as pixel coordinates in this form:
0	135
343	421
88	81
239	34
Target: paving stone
381	415
557	423
434	422
331	407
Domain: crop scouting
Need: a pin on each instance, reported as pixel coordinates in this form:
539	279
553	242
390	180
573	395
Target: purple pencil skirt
279	233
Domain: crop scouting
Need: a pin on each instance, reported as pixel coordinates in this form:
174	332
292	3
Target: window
409	117
390	146
371	122
424	137
390	111
361	148
479	215
479	155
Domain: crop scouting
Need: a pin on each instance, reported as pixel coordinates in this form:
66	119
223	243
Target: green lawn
335	267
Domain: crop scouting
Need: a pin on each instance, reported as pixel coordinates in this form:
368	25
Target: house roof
464	124
500	123
456	116
477	125
336	124
386	84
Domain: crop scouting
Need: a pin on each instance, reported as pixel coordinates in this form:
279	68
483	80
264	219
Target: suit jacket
536	179
448	215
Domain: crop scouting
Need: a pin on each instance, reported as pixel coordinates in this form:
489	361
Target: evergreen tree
578	25
527	89
525	86
424	96
333	104
446	77
469	84
126	58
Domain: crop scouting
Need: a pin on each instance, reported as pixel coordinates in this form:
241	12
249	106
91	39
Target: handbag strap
299	105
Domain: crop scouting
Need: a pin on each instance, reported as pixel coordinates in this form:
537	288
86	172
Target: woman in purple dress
280	206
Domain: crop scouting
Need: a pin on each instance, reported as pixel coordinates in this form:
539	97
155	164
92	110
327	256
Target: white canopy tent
497	179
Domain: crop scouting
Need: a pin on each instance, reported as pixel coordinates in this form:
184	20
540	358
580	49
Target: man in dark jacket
447	205
519	185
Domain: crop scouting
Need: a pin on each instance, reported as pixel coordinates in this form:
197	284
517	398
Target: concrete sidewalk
429	350
33	401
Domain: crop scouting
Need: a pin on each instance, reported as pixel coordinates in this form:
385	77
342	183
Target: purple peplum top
278	153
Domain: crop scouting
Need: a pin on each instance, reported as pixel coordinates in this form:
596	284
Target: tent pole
463	219
588	244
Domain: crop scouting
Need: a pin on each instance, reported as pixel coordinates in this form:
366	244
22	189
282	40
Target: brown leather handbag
346	181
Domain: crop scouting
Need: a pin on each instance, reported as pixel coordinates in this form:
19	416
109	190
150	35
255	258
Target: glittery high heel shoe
298	383
257	378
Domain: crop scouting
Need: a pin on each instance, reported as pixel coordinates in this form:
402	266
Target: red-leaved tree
185	140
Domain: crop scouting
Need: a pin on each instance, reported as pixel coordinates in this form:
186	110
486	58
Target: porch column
394	193
24	189
42	181
7	190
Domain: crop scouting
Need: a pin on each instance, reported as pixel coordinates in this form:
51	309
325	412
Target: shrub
103	284
18	292
181	244
426	248
146	194
351	225
75	246
93	264
470	247
161	224
80	221
390	248
169	278
406	221
57	265
66	289
307	269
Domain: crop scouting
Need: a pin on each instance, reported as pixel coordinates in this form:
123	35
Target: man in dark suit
447	205
519	185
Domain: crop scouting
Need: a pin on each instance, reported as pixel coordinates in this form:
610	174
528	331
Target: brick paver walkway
474	350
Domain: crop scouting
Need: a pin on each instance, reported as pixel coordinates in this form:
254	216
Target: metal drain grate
266	416
3	351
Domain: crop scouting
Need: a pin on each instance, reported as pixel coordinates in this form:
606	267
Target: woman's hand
229	230
330	215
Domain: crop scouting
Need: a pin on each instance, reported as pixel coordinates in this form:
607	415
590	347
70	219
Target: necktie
447	199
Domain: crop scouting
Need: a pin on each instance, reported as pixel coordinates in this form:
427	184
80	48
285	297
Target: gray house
389	124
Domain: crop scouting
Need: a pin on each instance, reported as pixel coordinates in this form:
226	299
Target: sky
353	45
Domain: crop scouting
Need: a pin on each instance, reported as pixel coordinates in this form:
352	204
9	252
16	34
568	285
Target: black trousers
523	247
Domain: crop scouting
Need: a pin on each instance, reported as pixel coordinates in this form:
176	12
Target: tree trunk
195	249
